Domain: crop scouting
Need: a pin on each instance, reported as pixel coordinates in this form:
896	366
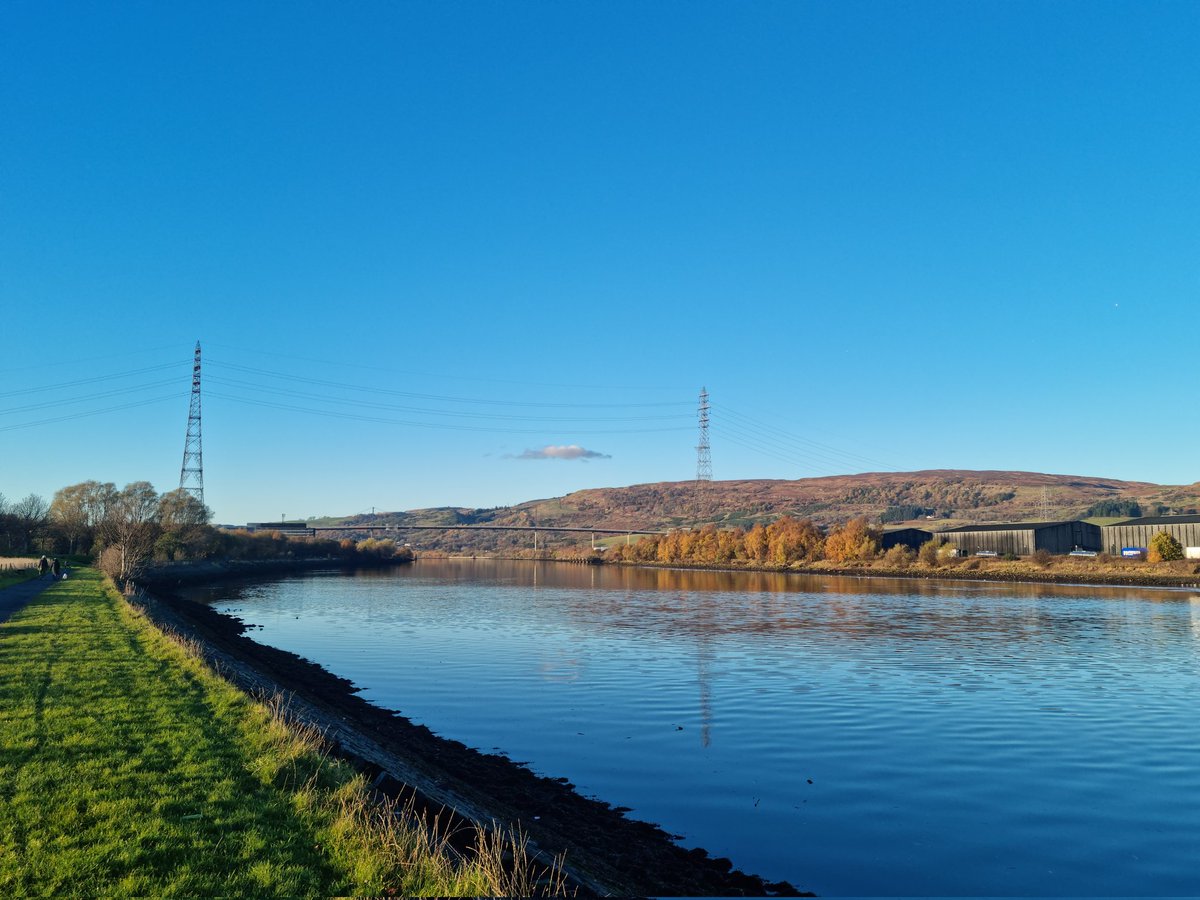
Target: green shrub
1164	547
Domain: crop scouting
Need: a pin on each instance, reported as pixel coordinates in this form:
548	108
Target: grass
127	767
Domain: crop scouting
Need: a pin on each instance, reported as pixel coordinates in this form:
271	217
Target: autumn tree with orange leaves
854	540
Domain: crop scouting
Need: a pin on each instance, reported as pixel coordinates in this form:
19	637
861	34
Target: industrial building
908	537
1023	538
1138	532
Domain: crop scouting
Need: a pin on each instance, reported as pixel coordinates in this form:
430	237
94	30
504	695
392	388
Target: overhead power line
436	425
67	401
91	379
770	440
272	389
489	379
94	412
365	404
375	389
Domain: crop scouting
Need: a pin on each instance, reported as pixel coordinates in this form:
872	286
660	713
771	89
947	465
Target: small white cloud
570	451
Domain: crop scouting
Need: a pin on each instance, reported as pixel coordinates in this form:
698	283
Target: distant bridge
303	528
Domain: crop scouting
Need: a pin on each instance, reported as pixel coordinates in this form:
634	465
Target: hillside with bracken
933	499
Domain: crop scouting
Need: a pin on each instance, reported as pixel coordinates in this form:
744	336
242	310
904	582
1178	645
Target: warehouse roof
1011	526
1158	520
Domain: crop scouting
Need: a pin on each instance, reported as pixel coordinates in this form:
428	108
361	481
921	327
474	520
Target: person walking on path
43	566
55	568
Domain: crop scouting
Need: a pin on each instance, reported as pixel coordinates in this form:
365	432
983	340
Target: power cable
797	455
437	425
442	376
91	379
780	437
292	377
94	412
325	398
69	400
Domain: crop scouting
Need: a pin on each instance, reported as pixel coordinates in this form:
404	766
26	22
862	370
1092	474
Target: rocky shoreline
606	853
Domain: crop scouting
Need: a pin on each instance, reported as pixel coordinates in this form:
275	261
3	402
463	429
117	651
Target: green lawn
126	767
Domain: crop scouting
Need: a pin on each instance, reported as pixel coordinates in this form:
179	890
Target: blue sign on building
1139	552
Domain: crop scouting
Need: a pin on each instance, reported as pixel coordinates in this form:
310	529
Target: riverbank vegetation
131	769
799	545
785	542
125	530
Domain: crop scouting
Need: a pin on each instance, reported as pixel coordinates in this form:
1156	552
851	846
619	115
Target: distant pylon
703	453
191	473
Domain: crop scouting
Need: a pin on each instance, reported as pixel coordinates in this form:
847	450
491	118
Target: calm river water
852	736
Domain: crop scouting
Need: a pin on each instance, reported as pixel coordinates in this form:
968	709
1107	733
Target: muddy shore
606	852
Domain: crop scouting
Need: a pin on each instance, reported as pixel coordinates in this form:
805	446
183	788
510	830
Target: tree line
126	529
781	543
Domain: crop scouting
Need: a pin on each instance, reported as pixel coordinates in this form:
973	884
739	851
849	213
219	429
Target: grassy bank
127	767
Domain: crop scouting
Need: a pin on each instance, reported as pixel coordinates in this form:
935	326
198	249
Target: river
852	736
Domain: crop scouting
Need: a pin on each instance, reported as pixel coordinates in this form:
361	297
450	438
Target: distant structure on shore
1026	538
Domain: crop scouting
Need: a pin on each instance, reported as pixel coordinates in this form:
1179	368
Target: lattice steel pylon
191	473
703	455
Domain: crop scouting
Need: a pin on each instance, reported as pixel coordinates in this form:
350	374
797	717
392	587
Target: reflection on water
855	736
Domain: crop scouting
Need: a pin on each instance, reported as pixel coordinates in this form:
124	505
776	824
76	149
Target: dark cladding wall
1016	540
1138	532
1063	537
1023	540
909	537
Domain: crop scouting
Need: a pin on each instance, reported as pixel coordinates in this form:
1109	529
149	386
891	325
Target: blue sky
423	242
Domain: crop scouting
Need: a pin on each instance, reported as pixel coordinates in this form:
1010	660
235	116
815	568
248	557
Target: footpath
15	597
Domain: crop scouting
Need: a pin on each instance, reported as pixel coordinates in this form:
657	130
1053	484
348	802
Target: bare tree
28	517
129	530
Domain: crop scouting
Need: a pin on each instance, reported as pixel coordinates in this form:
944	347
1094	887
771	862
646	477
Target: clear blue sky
884	235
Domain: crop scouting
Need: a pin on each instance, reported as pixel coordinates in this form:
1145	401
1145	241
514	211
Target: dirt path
606	852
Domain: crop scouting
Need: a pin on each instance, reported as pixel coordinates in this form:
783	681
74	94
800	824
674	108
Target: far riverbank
1181	574
989	570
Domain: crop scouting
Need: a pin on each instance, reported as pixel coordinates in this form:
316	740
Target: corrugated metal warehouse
909	537
1023	538
1137	532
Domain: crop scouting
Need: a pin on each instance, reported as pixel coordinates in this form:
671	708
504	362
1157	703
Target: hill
938	498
